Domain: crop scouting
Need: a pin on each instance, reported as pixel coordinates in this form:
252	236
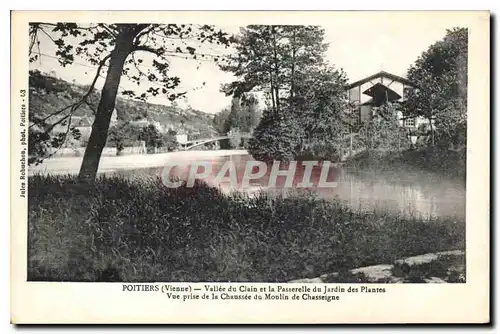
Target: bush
170	141
319	152
119	229
122	135
152	137
383	133
277	137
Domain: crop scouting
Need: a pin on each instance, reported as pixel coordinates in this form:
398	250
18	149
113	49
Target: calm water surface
409	192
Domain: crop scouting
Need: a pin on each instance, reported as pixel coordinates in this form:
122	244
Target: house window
410	122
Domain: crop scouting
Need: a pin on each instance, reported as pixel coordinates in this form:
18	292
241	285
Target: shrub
277	137
122	135
152	137
322	151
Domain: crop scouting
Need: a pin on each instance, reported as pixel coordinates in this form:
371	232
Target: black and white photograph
330	154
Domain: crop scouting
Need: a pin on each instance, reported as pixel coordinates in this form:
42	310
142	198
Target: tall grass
120	229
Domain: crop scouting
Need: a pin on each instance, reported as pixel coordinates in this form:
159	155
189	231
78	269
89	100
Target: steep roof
381	94
379	75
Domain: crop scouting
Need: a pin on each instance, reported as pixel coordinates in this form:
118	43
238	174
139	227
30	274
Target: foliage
95	42
243	114
152	137
123	135
43	84
307	96
276	138
440	74
430	158
319	150
384	132
221	124
42	145
440	96
170	140
270	57
319	106
221	121
119	47
118	229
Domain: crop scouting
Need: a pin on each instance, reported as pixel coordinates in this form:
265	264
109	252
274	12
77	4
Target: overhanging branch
78	103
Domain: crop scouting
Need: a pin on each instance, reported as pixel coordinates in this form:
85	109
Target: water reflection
412	193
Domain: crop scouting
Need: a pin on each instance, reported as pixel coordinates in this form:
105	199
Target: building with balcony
367	95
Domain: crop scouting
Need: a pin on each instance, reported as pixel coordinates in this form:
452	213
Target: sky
356	48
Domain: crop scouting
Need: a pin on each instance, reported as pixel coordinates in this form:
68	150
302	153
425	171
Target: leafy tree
243	113
122	135
116	137
170	140
276	138
319	104
242	116
152	137
307	96
46	145
119	47
235	118
221	124
306	50
440	75
251	112
383	132
221	121
270	58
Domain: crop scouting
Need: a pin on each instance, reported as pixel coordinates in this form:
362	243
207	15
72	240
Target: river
409	192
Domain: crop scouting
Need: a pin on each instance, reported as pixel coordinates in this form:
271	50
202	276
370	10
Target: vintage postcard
250	167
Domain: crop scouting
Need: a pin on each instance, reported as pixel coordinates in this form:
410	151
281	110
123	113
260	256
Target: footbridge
202	141
347	148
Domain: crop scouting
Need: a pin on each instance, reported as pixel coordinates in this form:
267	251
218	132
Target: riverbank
442	161
120	229
71	165
441	267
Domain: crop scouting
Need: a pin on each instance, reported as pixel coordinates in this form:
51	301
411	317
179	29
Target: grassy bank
432	159
137	230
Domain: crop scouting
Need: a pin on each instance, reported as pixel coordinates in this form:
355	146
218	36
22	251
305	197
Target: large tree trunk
432	130
292	74
99	134
272	92
276	70
277	98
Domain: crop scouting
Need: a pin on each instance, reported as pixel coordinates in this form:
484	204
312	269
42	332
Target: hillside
49	94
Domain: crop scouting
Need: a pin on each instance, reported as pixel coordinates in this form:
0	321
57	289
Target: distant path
71	165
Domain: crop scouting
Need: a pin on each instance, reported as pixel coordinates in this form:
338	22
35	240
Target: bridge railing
198	142
219	137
